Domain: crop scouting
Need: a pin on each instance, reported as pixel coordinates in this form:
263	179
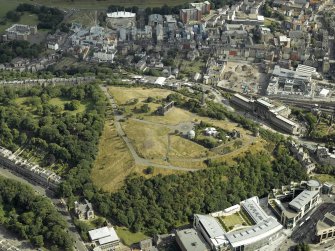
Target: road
138	160
59	205
305	233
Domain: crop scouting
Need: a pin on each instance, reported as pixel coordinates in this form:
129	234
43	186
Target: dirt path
138	160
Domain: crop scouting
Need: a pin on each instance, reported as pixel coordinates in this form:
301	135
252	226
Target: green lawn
232	220
60	102
129	238
26	18
6	6
54	101
325	178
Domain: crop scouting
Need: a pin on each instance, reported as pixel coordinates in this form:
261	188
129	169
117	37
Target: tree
149	170
302	247
72	105
144	108
32	216
37	241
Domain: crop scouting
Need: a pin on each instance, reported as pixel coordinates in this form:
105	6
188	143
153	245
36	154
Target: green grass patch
60	102
129	238
325	178
233	220
7	6
26	18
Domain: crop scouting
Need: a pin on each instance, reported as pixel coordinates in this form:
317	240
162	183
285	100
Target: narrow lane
59	205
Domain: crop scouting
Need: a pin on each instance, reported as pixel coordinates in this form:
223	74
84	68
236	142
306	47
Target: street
61	207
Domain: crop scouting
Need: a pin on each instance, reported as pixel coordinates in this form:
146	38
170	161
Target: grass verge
129	238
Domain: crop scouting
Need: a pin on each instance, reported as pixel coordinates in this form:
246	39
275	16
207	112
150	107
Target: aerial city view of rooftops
172	125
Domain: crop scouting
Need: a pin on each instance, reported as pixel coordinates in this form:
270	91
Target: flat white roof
108	239
103	232
262	230
260	18
324	92
251	205
286	73
121	14
284	39
211	225
302	199
241	97
160	81
263	102
305	69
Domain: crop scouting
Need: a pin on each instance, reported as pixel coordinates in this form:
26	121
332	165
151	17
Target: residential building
155	19
191	240
325	156
104	239
293	202
53	45
303	156
325	228
204	7
33	172
84	211
104	55
187	15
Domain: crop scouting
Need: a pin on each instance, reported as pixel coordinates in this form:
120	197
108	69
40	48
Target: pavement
305	232
58	203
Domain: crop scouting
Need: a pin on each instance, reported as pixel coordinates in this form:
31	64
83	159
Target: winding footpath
138	160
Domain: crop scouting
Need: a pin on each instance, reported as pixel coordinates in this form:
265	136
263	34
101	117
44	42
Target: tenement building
325	228
33	172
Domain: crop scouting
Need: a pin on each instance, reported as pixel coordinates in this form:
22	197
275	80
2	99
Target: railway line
324	106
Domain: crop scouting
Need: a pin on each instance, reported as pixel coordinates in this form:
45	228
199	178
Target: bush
149	170
72	106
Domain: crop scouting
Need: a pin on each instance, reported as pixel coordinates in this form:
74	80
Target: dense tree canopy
159	204
49	18
32	217
154	205
62	137
13	49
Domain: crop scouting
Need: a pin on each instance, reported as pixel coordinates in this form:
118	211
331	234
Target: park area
162	140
